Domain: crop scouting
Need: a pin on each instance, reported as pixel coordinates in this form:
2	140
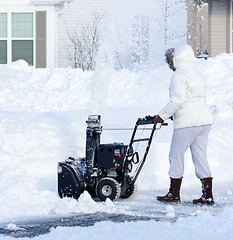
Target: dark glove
158	119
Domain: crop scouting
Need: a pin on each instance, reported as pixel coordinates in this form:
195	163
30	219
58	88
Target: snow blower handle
129	182
143	121
150	120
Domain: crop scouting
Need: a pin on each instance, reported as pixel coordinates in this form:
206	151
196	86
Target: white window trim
9	38
9	50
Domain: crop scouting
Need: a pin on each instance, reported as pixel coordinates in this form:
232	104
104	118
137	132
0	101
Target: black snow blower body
105	172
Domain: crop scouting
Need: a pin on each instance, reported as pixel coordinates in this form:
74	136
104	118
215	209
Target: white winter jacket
187	91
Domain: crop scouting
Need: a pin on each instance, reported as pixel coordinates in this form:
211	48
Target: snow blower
106	171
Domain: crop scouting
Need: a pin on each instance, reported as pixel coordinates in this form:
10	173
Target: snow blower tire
108	188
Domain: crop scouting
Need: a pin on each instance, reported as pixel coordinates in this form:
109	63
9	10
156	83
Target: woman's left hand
158	119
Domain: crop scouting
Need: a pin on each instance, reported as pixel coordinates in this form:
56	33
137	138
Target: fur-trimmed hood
183	56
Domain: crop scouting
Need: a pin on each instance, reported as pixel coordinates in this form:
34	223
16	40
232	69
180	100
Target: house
220	26
211	29
27	31
36	30
33	29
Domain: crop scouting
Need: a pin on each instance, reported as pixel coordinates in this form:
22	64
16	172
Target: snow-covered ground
42	121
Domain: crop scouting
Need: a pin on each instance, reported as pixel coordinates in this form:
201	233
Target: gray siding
41	39
78	12
219	26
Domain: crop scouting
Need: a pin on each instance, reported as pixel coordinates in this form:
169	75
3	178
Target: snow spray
134	35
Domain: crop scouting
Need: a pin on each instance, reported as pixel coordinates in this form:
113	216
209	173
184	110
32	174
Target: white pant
196	139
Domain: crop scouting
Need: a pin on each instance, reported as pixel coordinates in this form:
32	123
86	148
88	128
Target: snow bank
42	121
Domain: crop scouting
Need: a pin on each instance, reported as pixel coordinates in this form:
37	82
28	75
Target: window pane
3	25
22	49
22	25
3	51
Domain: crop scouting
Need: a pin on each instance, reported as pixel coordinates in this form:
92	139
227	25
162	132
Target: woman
192	122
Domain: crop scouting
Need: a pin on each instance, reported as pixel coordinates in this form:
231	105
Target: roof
15	2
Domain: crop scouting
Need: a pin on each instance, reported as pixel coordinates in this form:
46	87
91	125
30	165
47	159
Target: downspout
64	8
198	2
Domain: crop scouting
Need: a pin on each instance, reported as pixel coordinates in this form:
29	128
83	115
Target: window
3	51
17	37
3	25
3	38
22	31
22	25
22	49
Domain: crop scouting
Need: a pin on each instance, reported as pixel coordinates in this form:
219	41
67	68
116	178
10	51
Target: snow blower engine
105	172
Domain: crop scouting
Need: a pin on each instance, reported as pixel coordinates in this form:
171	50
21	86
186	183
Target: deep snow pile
42	121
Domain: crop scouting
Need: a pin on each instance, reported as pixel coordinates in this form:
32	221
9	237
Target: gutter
54	2
65	5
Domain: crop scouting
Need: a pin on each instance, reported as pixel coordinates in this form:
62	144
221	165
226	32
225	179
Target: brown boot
174	192
207	196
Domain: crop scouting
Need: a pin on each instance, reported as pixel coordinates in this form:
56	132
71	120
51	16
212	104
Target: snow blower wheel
108	188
